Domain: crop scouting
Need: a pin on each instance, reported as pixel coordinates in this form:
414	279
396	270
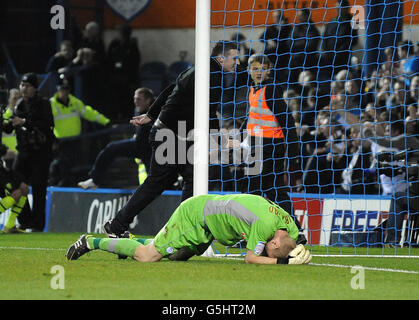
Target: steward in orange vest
270	120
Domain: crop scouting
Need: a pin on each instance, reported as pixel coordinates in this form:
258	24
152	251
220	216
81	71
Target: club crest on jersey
259	247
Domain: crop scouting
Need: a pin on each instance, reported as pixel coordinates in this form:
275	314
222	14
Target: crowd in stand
330	119
93	69
323	87
344	117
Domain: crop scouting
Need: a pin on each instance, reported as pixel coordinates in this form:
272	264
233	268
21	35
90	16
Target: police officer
68	111
33	123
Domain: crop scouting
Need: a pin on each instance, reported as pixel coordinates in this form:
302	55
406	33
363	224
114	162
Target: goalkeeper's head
280	245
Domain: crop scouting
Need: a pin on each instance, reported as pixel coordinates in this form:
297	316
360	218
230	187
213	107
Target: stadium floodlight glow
202	84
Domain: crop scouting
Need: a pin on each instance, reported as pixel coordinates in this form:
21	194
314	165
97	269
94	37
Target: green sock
6	203
16	210
144	241
124	247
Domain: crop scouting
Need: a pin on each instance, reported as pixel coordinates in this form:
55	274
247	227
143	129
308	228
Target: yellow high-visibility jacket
9	139
67	119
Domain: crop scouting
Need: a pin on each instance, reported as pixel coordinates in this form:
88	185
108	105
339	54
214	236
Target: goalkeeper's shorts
184	229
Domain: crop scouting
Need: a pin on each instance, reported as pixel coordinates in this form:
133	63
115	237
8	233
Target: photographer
33	123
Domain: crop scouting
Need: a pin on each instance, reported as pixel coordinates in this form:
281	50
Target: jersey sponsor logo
259	247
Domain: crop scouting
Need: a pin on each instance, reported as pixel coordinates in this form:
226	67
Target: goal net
323	110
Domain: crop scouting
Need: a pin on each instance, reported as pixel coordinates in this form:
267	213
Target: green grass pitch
28	270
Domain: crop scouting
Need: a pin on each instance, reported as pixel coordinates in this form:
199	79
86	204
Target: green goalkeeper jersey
233	217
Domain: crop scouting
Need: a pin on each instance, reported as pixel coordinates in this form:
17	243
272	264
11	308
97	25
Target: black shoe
127	235
108	231
301	239
78	248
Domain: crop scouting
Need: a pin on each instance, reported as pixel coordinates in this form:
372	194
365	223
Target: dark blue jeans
124	148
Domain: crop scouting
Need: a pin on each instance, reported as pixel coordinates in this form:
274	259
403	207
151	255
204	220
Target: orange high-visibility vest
261	121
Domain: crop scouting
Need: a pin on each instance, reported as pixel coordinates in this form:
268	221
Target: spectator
354	99
293	100
356	67
276	39
384	91
369	114
337	42
60	61
346	108
296	105
399	101
136	147
123	63
390	137
371	87
314	148
357	178
412	121
306	83
173	109
304	45
405	50
92	39
33	123
316	100
323	170
337	86
68	111
244	51
305	139
414	88
391	65
88	84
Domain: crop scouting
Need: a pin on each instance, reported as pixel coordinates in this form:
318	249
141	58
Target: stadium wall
77	210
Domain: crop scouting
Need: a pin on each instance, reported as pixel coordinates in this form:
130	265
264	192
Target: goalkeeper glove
299	255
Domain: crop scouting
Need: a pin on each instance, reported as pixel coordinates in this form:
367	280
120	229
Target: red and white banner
326	220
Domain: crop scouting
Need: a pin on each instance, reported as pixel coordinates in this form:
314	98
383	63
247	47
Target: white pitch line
26	248
362	256
235	257
366	268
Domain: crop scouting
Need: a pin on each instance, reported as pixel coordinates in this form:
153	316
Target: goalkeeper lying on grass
270	232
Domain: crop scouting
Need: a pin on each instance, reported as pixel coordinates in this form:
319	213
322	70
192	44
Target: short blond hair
261	58
286	246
